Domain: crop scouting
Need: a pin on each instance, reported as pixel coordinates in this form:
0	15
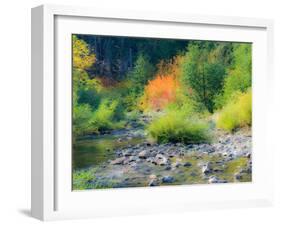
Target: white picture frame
52	197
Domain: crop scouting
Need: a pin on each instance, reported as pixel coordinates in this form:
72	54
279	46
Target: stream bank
125	158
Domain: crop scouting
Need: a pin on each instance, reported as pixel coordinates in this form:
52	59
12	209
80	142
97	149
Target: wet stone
152	183
168	179
187	164
168	167
143	154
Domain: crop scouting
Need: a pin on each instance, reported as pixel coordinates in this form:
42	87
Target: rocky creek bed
135	162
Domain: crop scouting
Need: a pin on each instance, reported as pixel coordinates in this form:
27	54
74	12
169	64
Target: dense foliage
204	72
117	79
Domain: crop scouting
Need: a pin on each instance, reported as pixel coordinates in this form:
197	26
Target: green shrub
203	72
133	115
183	104
88	96
237	113
142	71
82	115
107	116
175	127
239	76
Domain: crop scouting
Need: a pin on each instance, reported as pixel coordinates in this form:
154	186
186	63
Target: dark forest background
115	56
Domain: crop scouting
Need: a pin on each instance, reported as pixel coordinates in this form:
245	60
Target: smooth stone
238	176
161	160
176	164
187	164
150	159
153	183
217	170
206	168
152	176
214	180
168	167
168	179
118	161
148	144
143	154
128	152
133	158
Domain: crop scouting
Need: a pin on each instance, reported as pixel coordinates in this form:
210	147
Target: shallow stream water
95	150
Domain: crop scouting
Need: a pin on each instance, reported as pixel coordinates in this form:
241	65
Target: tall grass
237	113
176	127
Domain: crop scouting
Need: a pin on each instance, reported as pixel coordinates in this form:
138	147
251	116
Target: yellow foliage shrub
237	113
82	57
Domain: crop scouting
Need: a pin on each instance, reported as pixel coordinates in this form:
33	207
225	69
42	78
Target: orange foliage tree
159	92
163	88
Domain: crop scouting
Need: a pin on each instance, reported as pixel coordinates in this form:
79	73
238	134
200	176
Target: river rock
187	164
168	167
238	176
126	161
248	155
148	144
217	170
171	155
143	154
152	176
118	161
161	160
168	179
152	183
120	140
150	159
133	158
206	168
214	180
128	152
176	164
207	148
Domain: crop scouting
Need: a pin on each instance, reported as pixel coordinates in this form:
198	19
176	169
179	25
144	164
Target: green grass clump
176	127
237	113
87	179
235	165
82	179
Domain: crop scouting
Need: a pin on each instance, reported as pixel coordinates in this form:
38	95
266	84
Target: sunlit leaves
82	57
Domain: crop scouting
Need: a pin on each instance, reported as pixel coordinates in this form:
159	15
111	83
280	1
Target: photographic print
157	112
